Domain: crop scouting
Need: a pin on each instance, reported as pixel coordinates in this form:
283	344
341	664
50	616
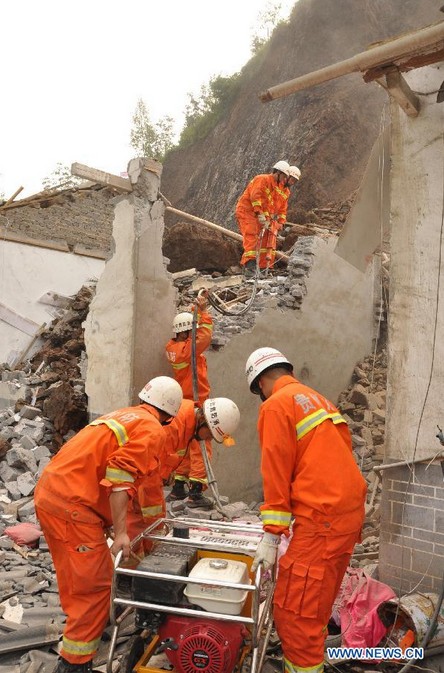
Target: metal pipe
216	227
132	572
402	463
430	37
157	607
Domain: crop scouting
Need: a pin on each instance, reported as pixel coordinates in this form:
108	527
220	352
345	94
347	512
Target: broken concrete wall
324	337
412	501
131	315
28	273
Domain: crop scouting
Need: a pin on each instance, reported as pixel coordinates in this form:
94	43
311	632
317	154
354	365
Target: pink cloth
356	606
24	533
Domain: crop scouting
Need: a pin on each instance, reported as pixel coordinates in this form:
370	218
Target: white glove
262	219
266	551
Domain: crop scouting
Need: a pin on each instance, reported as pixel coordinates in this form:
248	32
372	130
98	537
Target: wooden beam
18	321
11	198
399	90
103	178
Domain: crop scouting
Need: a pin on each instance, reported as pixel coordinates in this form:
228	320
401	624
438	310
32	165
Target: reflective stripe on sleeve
316	418
272	517
181	365
118	476
256	203
208	325
80	647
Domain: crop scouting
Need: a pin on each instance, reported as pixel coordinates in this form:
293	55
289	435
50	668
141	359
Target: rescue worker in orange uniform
82	492
217	419
261	212
309	474
178	352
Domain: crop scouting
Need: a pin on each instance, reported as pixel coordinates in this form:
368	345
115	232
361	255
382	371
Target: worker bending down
217	419
178	352
309	474
83	491
261	213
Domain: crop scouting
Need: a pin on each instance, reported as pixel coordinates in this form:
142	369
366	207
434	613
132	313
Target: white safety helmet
222	417
164	393
260	360
294	172
183	322
282	166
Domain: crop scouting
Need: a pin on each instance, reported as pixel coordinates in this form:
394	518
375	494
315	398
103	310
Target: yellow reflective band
256	203
180	477
156	510
272	517
181	452
80	646
199	481
281	192
313	420
118	429
294	668
250	253
181	365
208	325
118	476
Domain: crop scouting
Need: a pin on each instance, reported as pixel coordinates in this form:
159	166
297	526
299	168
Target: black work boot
250	268
178	492
195	497
64	666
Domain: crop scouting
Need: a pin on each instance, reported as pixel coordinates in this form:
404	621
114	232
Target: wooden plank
14	237
397	87
11	198
103	178
410	62
18	321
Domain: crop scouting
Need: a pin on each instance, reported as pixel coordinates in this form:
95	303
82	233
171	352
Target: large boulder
190	245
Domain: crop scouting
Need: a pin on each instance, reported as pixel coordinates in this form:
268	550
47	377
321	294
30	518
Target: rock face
192	245
327	130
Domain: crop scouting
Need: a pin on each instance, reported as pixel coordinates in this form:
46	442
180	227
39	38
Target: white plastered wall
26	273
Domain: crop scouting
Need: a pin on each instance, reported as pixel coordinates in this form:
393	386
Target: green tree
61	178
151	139
267	21
204	109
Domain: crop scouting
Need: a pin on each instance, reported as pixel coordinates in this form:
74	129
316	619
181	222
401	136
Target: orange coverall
262	196
114	452
308	473
182	453
179	356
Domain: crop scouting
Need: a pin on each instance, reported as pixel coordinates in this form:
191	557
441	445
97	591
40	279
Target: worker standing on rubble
261	212
308	473
217	419
178	352
83	491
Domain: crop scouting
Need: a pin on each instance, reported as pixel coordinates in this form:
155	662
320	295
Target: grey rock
26	483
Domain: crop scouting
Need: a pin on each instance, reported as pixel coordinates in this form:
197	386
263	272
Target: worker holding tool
179	354
82	492
309	474
259	206
217	419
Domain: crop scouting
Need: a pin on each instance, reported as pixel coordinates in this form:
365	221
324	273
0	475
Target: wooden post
217	227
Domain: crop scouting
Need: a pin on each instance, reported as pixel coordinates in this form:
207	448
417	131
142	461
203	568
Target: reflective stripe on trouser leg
250	229
84	580
197	466
292	668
